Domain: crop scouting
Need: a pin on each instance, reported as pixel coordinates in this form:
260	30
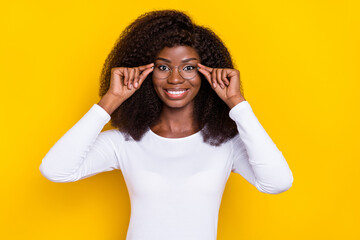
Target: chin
175	104
181	103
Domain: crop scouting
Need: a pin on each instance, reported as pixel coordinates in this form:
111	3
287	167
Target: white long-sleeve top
175	184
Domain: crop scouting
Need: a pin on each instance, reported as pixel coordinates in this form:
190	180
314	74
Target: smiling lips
176	94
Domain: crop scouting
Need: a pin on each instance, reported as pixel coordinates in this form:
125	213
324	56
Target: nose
175	77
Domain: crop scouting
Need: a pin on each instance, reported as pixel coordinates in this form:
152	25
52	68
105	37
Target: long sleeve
82	151
255	155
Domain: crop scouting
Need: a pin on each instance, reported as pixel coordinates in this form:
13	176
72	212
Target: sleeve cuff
237	110
101	112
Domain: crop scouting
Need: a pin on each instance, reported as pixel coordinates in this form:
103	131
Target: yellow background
299	63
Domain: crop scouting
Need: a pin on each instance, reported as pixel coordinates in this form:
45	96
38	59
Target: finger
205	67
126	76
142	68
144	74
131	78
207	75
213	77
224	78
218	77
136	77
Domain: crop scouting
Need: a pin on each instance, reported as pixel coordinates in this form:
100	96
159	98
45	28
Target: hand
125	81
121	81
229	83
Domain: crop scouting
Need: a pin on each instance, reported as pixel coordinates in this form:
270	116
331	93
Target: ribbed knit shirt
175	184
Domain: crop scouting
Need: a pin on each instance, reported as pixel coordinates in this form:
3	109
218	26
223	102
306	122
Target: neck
175	120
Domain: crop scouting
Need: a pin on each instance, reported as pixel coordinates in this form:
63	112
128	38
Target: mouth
176	94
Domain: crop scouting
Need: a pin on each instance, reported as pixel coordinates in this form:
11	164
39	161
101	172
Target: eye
163	68
188	68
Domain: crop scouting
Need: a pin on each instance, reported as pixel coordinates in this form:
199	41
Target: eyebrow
167	60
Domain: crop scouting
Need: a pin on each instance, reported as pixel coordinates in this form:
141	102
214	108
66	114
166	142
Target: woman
183	126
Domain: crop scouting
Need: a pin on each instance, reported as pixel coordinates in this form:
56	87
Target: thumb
143	76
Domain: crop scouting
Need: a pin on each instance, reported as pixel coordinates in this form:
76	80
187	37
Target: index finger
205	67
143	67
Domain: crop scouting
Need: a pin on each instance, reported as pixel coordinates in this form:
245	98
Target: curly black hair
139	44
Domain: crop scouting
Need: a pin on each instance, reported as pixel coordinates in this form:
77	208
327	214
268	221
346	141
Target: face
176	91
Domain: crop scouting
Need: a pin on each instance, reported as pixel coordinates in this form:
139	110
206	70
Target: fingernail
135	84
214	84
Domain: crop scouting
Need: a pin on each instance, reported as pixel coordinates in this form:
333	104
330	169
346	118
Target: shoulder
114	135
117	135
237	145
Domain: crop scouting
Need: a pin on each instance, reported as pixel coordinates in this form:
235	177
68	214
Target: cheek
196	82
157	87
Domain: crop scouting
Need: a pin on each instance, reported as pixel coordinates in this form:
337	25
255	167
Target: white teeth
176	92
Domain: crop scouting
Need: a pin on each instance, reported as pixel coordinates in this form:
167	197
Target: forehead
178	53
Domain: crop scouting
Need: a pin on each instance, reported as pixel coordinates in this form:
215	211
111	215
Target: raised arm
255	155
82	151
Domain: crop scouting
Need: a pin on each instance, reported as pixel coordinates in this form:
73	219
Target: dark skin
176	116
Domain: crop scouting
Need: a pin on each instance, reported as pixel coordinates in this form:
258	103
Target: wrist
232	102
109	103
